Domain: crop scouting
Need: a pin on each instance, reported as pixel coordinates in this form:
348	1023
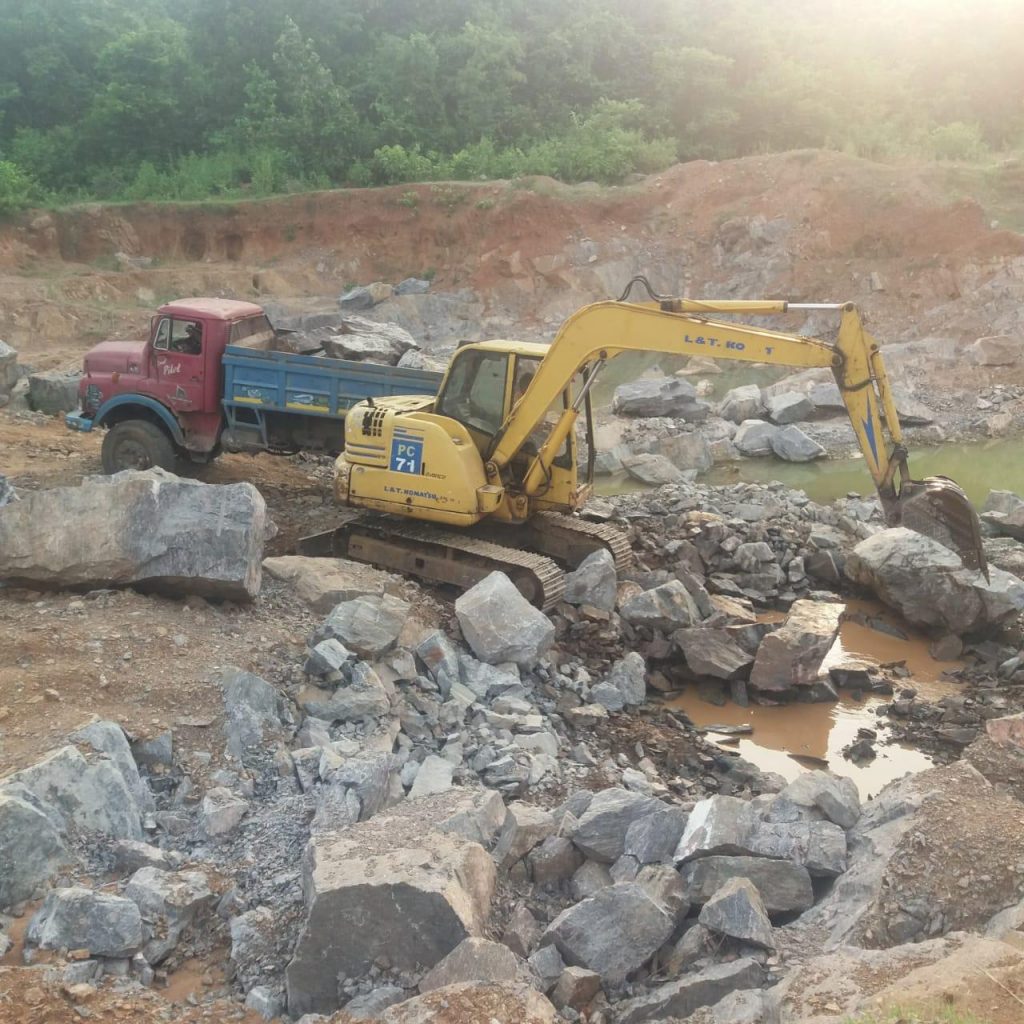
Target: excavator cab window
526	368
474	393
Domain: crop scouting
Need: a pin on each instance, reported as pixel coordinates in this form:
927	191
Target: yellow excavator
485	475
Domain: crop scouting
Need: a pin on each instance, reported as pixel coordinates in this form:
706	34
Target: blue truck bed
310	385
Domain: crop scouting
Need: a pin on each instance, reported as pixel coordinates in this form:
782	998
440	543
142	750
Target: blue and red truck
209	379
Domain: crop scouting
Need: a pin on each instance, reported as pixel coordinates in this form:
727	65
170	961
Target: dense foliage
183	99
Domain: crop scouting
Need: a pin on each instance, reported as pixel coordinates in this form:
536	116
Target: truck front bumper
78	421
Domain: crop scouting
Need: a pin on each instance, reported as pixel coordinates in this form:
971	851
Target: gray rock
89	794
666	396
156	750
601	831
738	912
613	932
522	931
363	696
109	738
252	714
712	652
7	491
359	297
784	887
324	583
927	584
687	451
608	696
827	396
361	339
668	607
742	403
434	776
547	966
328	656
754	437
590	878
554	860
170	903
790	407
679	999
268	1002
479	816
412	286
127	529
440	656
500	625
525	826
8	369
834	796
474	959
416	894
77	918
130	855
593	582
576	987
513	1001
222	811
652	470
793	445
791	655
995	350
653	838
53	391
371	1005
629	676
31	848
368	625
367	777
256	937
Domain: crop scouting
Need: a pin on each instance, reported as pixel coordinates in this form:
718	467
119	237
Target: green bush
392	165
17	189
957	141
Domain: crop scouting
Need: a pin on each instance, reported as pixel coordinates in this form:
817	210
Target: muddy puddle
792	738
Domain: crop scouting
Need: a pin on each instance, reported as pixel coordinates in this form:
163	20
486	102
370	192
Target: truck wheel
136	444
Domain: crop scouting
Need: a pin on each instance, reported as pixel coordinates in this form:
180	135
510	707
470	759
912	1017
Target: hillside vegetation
184	99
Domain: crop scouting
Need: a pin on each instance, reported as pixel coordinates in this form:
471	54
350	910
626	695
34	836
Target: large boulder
742	403
472	1002
1004	513
170	903
88	794
665	396
128	529
613	932
78	918
474	959
252	713
713	653
53	391
601	830
31	849
363	695
8	370
324	583
791	444
403	891
668	607
687	451
679	999
789	407
929	586
737	911
367	625
784	887
791	655
361	339
995	350
500	625
754	437
652	470
593	582
109	738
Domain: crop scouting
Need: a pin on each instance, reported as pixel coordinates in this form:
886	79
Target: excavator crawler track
584	533
443	556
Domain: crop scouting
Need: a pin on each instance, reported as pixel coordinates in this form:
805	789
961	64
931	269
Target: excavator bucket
938	508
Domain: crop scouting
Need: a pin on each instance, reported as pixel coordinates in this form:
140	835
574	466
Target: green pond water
978	467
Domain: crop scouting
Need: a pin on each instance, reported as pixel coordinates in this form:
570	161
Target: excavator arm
598	333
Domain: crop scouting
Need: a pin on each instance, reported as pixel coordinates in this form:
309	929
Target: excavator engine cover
938	508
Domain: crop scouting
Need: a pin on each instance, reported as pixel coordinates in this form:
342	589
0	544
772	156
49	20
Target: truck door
178	357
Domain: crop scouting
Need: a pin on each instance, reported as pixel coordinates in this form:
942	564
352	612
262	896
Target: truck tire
136	444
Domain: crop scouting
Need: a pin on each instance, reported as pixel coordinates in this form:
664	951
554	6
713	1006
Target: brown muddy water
791	738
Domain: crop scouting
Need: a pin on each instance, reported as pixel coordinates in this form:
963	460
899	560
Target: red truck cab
161	399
